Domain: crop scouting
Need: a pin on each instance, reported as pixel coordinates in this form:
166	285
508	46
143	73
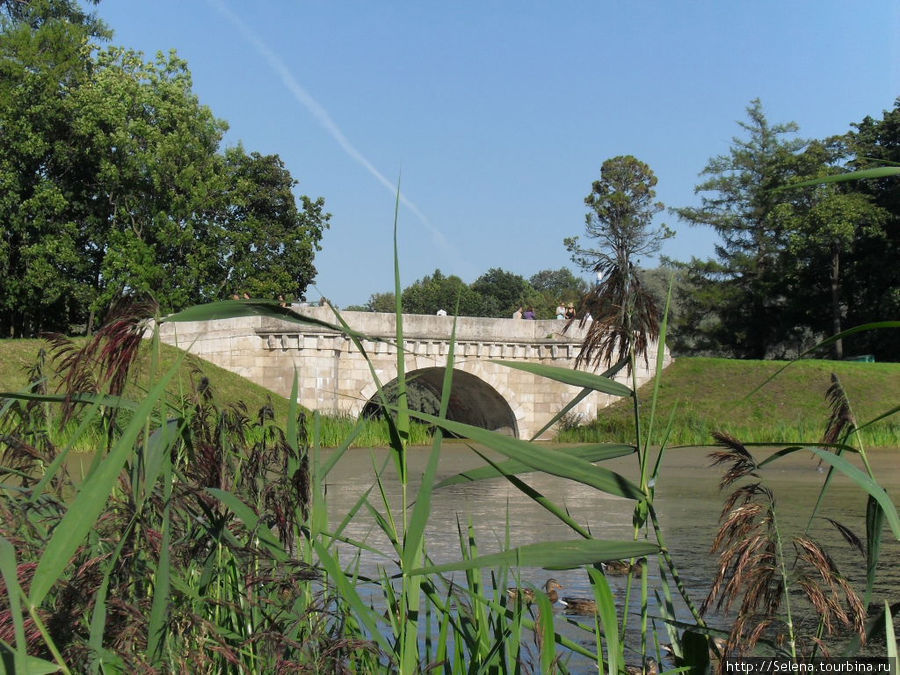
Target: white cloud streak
323	118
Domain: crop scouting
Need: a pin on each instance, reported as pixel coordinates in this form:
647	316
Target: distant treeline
496	293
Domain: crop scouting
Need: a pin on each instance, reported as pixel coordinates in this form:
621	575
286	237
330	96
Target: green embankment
711	394
17	356
707	394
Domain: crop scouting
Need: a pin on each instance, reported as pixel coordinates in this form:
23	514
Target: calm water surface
687	499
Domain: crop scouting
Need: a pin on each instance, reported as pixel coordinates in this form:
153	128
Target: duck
650	668
622	567
579	605
527	594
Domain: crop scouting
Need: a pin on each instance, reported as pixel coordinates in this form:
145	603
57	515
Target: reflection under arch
472	400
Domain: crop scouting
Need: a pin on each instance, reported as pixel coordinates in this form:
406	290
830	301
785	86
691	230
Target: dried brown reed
754	576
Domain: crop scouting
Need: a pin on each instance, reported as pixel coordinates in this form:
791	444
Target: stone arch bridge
334	377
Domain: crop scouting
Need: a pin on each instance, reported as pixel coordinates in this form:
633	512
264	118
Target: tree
436	291
872	282
148	194
740	205
266	243
825	225
502	292
561	284
35	13
554	287
378	302
620	216
113	182
44	58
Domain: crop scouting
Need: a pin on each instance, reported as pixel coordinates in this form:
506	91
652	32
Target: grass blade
347	592
555	555
606	613
865	483
162	586
252	522
86	507
576	378
545	633
9	570
584	393
541	459
889	634
874	527
415	534
876	172
541	500
588	453
98	616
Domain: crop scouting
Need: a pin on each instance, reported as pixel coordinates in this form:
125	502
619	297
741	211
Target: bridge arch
472	400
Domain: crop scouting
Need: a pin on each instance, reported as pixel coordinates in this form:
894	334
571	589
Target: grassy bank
17	357
707	394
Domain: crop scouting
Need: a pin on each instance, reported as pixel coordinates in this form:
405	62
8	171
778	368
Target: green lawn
711	394
16	356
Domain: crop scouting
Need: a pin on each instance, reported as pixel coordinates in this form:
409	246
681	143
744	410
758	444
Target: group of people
563	311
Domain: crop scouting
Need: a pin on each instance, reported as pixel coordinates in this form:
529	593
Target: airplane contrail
323	118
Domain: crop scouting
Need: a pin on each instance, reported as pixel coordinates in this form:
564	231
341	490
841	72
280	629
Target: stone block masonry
334	377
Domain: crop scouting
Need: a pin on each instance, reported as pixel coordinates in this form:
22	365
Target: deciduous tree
873	279
502	292
112	181
825	225
555	286
437	291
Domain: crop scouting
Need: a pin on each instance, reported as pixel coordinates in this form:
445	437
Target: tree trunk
836	300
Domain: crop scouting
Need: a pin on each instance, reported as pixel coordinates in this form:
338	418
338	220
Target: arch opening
472	400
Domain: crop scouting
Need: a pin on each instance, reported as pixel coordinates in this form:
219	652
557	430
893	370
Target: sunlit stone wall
334	377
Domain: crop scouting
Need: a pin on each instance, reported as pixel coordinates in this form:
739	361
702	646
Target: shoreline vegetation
200	532
702	394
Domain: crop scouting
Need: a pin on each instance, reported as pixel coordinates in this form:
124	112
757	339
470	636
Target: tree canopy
620	215
794	265
113	181
738	202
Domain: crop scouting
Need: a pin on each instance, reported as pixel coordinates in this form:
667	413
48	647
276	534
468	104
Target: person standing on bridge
517	314
529	313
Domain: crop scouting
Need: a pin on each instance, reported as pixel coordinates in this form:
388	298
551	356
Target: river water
687	499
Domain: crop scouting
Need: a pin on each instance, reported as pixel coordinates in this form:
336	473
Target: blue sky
498	115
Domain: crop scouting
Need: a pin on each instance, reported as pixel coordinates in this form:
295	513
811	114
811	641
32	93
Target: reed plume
753	574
